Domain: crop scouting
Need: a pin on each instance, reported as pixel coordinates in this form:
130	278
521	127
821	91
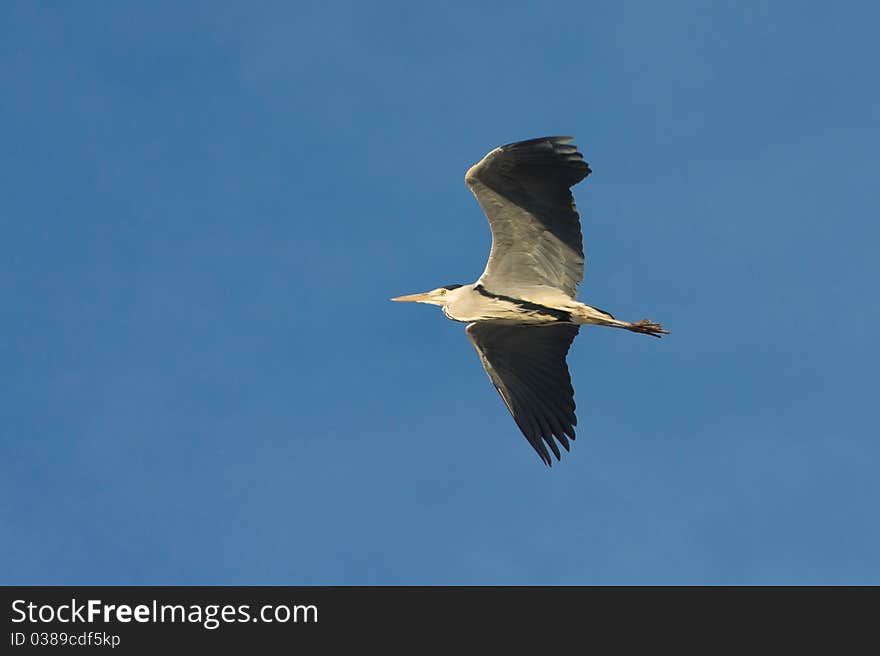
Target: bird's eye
442	292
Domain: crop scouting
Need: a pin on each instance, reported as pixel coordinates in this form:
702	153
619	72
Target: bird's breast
485	306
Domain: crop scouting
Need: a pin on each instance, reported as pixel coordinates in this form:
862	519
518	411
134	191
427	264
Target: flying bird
522	314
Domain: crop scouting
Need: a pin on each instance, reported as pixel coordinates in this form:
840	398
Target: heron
522	314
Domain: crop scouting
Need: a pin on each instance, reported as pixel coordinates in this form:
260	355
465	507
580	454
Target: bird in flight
523	314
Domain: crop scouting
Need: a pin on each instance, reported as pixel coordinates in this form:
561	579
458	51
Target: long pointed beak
412	298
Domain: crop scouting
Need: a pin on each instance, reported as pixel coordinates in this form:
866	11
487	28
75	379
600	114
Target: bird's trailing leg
587	314
647	328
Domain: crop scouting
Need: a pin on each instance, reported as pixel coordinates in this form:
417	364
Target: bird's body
476	303
522	313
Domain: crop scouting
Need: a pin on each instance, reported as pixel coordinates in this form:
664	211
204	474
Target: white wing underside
523	189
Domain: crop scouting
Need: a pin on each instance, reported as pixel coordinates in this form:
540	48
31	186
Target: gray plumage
523	189
522	313
527	366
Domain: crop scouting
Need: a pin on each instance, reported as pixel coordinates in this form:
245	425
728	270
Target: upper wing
523	188
526	363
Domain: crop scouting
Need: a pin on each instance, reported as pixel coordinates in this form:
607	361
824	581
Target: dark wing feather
524	189
526	363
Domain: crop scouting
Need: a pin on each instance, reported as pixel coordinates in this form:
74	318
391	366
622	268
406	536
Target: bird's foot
648	328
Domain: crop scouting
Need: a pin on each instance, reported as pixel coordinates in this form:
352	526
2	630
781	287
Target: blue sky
205	209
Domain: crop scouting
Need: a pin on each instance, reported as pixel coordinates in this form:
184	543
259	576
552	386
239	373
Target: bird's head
439	296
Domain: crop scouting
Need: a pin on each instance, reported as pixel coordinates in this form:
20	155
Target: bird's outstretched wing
523	188
526	363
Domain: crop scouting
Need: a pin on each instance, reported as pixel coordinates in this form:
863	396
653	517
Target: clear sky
205	210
